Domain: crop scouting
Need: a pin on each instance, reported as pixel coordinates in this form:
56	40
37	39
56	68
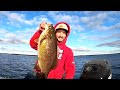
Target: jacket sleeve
32	43
70	66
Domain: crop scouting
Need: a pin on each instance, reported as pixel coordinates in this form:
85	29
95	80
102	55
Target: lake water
17	66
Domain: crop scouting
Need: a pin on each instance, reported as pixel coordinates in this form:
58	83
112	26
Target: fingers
42	26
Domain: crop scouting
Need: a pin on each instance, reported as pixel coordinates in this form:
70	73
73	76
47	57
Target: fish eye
49	27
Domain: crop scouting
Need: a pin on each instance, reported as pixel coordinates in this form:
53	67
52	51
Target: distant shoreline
18	54
75	55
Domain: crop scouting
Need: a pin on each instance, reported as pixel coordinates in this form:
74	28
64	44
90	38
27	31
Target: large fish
47	51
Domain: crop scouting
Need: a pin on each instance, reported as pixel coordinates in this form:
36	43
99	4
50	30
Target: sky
92	32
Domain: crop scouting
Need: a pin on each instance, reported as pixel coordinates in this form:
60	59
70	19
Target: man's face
60	34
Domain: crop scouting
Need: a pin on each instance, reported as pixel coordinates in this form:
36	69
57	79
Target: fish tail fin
40	75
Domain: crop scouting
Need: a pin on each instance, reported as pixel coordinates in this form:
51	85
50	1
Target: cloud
63	16
80	22
2	48
94	17
114	27
13	41
17	50
81	49
3	31
17	37
10	38
77	28
99	38
116	35
72	20
97	20
111	44
93	20
83	36
18	19
92	37
112	36
96	52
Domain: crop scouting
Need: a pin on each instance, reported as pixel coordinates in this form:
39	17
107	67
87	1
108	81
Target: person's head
62	31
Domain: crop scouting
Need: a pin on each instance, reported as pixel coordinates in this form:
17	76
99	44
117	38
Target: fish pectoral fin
41	40
36	40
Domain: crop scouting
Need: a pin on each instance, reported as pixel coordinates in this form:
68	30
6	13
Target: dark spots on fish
51	36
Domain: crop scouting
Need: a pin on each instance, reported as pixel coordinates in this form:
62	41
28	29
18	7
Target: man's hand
42	26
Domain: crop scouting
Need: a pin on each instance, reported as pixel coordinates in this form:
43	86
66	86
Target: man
66	65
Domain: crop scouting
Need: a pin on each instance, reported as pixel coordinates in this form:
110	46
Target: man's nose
61	33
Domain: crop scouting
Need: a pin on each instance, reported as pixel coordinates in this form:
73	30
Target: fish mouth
42	28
